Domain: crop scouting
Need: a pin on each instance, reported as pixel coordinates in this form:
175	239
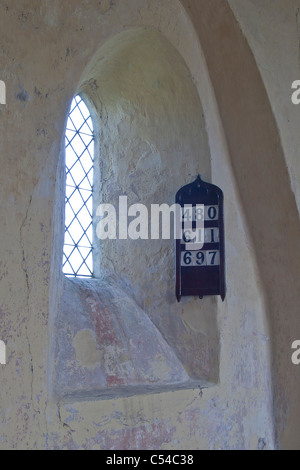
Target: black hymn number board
200	258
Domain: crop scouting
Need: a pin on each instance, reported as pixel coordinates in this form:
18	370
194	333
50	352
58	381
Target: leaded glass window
79	161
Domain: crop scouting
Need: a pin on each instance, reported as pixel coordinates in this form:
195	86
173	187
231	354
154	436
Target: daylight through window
79	161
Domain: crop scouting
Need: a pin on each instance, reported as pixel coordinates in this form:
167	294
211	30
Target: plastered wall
46	56
261	167
278	65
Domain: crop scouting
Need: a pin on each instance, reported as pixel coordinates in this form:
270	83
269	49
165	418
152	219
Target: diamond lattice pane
79	142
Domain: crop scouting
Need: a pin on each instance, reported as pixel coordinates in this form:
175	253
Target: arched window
79	161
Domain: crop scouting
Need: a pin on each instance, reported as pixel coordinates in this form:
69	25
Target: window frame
78	190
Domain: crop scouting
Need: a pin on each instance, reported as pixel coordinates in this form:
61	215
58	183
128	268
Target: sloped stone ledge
106	346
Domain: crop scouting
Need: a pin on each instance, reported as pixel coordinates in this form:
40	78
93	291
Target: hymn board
200	257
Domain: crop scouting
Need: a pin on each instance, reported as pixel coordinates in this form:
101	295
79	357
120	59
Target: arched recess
264	187
124	332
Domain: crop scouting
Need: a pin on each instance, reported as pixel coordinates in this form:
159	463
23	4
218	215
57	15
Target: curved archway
151	141
264	187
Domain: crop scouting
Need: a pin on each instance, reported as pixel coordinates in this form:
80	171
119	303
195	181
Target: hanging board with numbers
200	258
